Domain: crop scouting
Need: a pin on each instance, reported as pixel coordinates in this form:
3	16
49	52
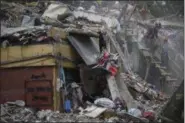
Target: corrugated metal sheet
86	47
12	81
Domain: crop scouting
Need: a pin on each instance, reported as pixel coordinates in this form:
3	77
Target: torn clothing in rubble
108	62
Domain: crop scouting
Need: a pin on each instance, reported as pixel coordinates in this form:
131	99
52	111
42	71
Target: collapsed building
78	61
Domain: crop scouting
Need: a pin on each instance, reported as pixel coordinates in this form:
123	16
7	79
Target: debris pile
51	116
16	112
16	14
145	93
10	14
83	30
109	62
25	36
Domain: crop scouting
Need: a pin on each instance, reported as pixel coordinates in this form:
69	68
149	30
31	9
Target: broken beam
124	92
113	87
118	49
84	32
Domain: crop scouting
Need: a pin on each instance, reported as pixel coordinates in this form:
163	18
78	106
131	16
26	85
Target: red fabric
104	58
106	55
149	115
113	70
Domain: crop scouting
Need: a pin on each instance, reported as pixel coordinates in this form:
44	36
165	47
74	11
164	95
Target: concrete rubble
145	93
11	112
129	98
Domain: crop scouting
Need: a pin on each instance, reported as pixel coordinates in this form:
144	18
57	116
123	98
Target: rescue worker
151	36
153	32
164	53
143	13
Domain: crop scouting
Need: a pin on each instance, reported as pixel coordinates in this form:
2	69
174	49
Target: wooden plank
33	62
19	52
54	90
38	62
66	51
14	53
147	70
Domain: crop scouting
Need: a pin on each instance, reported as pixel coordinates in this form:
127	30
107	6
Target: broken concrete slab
94	111
86	48
54	10
125	94
113	87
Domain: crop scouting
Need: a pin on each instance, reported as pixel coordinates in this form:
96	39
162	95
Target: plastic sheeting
105	102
